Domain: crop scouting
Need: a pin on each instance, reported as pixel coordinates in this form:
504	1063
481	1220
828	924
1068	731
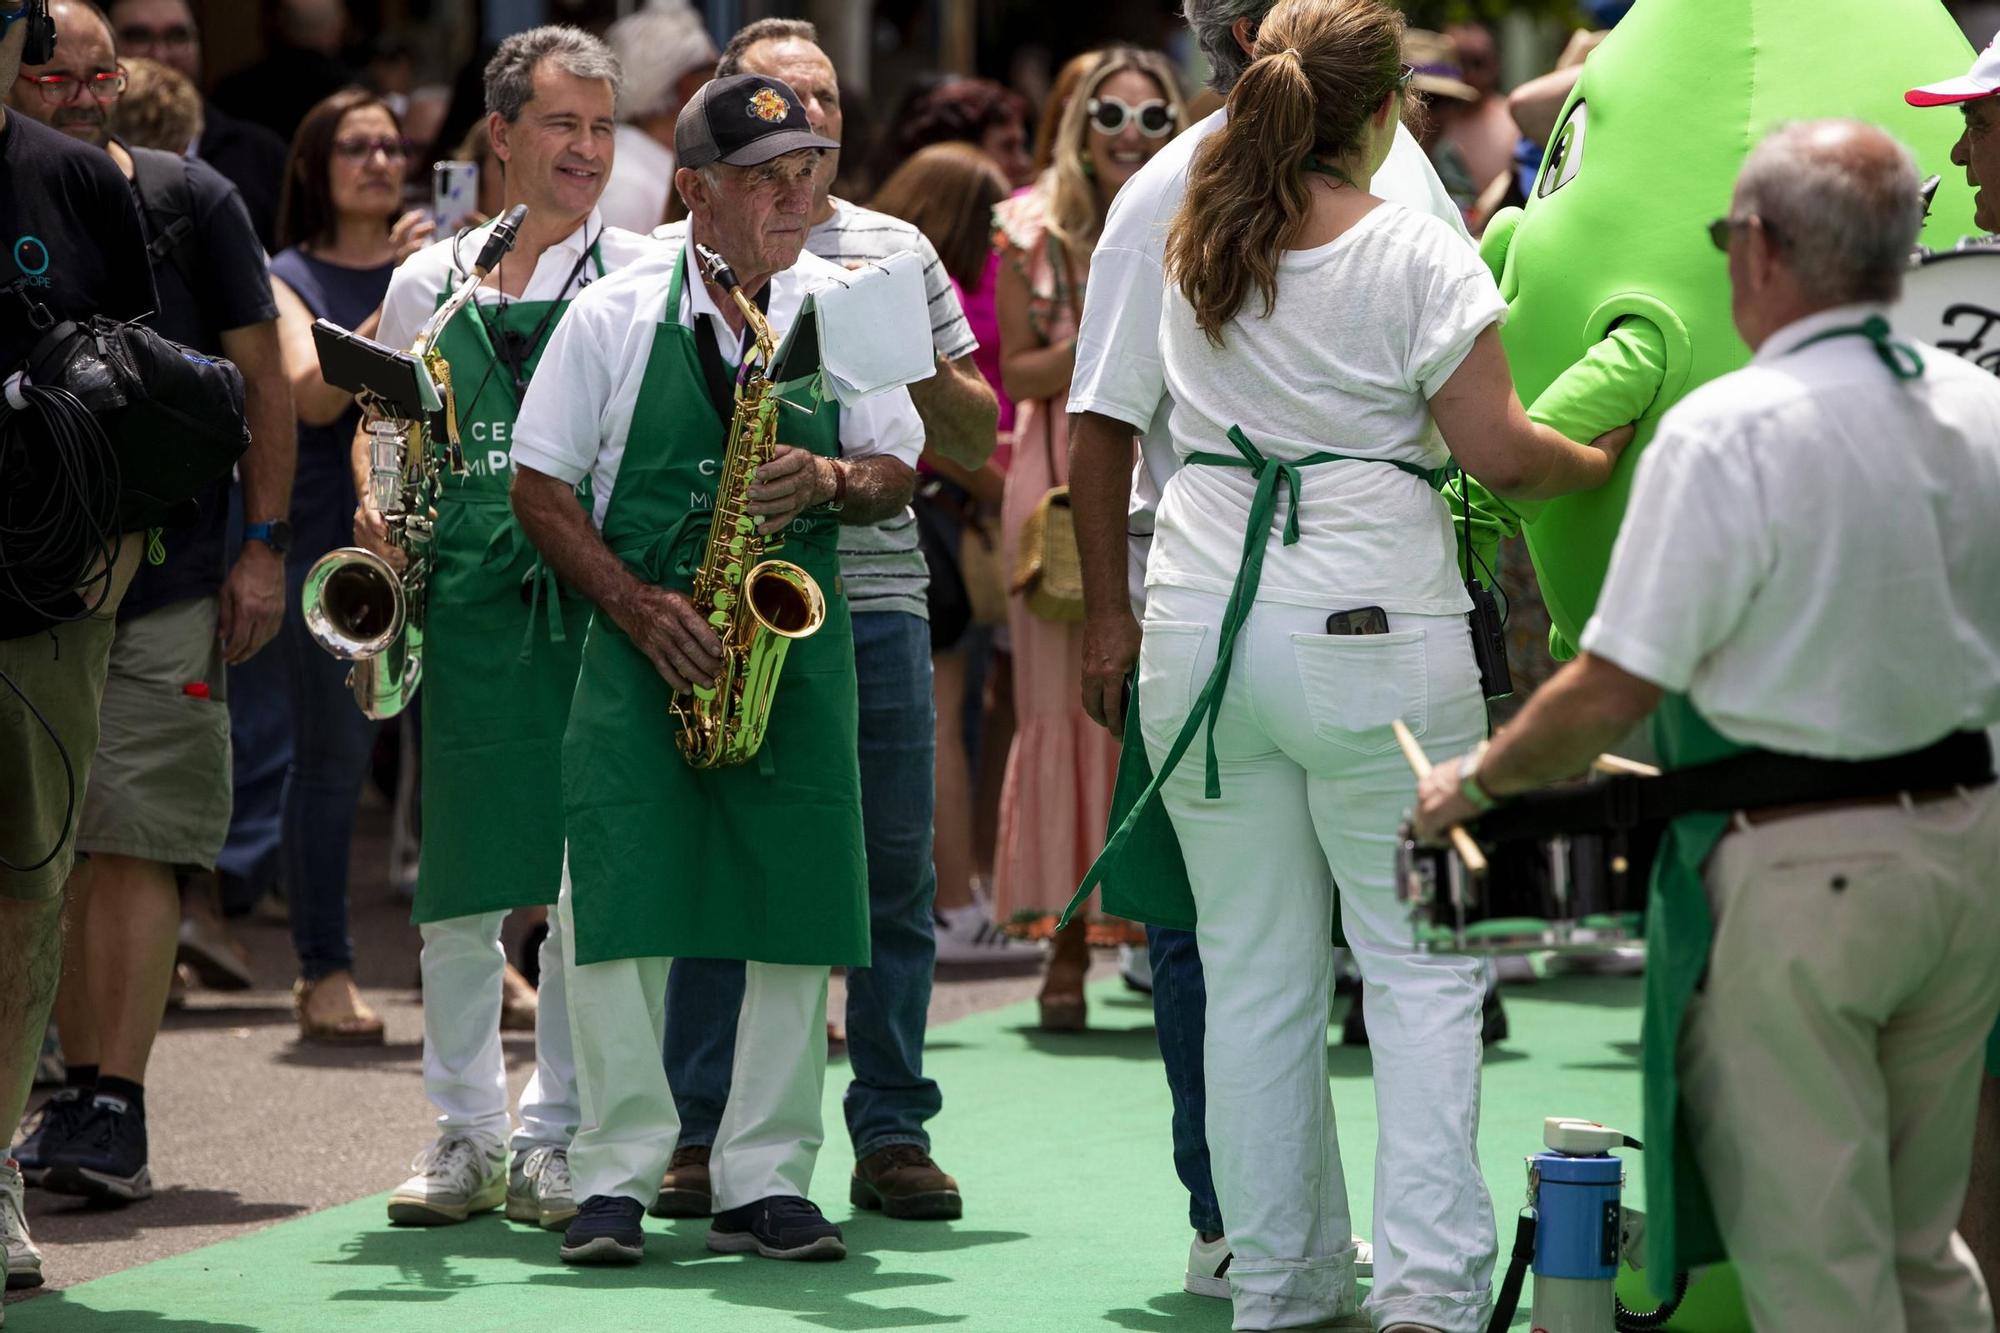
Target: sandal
518	1002
359	1027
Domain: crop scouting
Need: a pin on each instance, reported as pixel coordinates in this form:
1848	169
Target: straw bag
1047	570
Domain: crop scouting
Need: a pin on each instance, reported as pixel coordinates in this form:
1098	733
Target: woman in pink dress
1057	794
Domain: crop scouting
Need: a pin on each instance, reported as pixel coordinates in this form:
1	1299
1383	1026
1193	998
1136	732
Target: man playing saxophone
760	860
501	640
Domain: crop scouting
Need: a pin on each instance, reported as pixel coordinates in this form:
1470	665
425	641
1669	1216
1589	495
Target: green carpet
1074	1219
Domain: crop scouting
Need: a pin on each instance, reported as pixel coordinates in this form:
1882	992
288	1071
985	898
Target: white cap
1983	81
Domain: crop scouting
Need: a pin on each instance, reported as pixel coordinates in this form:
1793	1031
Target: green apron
762	861
1141	868
1681	1231
501	646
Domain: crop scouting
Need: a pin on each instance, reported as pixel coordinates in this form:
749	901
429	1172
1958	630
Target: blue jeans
331	742
1180	1002
260	744
888	1002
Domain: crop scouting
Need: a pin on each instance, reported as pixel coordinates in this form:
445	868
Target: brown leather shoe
902	1181
684	1189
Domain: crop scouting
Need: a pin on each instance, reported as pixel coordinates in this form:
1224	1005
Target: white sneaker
24	1261
1208	1266
539	1189
967	936
459	1175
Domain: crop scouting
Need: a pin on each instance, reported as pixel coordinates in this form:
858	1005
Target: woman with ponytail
1328	356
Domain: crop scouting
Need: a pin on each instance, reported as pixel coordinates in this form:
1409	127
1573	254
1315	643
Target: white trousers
771	1131
1831	1064
1313	790
465	1068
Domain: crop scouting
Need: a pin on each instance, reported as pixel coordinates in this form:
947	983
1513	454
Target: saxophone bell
356	607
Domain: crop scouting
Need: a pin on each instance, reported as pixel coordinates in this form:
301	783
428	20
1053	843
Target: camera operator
75	248
158	802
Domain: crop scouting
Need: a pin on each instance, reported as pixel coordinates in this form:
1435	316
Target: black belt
1753	780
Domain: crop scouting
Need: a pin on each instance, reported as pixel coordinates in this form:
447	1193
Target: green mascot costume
1619	305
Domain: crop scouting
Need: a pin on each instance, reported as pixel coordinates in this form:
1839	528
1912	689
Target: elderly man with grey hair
1803	590
502	642
1118	396
666	54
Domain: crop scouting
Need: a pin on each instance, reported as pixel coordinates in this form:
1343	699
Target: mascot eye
1565	155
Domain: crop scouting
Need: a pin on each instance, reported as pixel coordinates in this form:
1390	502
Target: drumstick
1420	764
1629	768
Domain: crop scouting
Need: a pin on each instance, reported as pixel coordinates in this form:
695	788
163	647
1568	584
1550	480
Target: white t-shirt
1365	329
1118	368
642	177
579	407
1811	551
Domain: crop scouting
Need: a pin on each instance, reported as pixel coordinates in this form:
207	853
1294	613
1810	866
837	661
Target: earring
1089	169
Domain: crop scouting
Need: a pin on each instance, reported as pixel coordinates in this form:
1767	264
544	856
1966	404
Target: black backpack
168	206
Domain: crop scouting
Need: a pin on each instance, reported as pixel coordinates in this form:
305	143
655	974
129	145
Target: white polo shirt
416	286
1812	550
1119	372
580	404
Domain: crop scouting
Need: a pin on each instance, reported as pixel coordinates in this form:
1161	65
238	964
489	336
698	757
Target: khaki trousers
771	1130
1831	1063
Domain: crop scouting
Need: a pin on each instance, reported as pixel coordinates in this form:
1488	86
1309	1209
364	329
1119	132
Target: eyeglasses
57	89
1109	115
360	150
137	40
1403	79
1720	230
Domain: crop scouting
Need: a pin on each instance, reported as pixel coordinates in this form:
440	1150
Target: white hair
656	47
510	74
1843	204
1213	23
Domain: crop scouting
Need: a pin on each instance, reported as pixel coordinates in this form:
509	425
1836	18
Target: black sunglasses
1720	230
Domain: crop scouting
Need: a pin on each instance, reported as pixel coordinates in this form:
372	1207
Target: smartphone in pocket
454	194
1361	620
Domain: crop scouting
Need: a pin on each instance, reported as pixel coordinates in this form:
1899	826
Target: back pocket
1357	684
1169	652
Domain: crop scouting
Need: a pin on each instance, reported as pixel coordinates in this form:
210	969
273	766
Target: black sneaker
56	1125
780	1227
105	1158
605	1231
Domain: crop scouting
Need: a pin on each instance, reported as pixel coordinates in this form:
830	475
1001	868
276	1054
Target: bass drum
1951	299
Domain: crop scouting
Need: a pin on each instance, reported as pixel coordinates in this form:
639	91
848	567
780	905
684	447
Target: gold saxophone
356	605
757	606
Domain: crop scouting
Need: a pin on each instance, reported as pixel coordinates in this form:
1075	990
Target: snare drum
1951	299
1567	893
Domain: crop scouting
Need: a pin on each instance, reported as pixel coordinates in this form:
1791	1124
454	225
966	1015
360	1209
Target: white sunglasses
1109	115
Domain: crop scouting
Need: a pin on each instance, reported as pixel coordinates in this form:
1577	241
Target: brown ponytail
1319	70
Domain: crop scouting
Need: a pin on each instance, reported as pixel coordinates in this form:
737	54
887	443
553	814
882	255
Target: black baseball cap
743	120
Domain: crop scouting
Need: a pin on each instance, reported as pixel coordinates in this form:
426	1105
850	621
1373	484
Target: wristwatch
1468	780
276	534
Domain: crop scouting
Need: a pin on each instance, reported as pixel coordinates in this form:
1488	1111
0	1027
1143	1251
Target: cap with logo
743	120
1983	81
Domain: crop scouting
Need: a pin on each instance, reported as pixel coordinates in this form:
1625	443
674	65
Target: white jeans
1831	1064
465	1069
1313	789
771	1131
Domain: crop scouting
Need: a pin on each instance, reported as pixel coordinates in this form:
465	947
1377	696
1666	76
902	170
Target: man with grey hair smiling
502	642
1803	590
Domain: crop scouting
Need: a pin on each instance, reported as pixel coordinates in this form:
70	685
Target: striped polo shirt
881	565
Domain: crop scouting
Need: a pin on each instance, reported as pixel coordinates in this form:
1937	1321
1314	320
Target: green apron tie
509	548
1901	358
1269	473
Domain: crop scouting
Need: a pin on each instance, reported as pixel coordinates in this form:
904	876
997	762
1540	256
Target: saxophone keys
732	573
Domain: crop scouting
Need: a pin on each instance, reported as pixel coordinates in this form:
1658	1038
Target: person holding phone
502	639
1328	355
